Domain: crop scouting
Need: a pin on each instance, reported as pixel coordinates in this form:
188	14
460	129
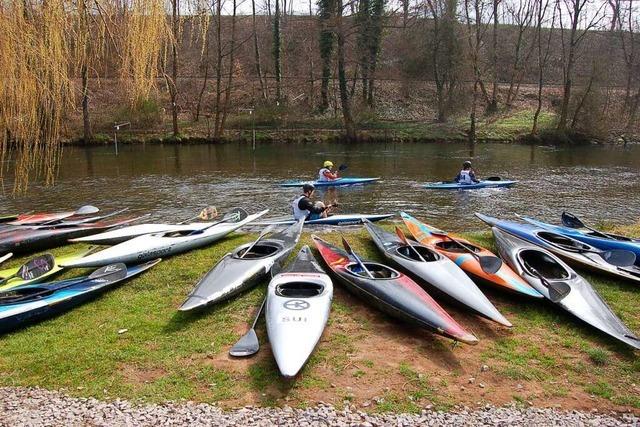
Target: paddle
107	274
248	344
82	210
266	231
207	213
572	221
236	215
350	251
342	167
404	240
5	257
557	290
33	268
489	264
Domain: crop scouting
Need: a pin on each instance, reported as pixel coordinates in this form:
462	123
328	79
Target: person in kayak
303	207
326	172
466	175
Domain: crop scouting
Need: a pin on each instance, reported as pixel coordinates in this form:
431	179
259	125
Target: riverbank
132	344
37	407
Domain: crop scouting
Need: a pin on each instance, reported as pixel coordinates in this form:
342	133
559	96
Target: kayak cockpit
451	246
27	294
537	261
378	271
261	250
299	290
562	242
410	252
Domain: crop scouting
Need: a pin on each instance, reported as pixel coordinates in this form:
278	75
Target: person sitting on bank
326	173
466	175
304	207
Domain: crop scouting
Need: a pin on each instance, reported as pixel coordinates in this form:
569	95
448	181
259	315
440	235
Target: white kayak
5	257
297	310
239	270
152	246
114	237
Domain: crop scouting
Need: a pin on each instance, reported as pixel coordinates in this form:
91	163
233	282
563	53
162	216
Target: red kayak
40	218
392	292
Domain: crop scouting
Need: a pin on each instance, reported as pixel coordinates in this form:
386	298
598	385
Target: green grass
168	355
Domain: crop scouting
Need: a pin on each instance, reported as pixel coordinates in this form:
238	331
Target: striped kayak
152	246
436	270
340	182
392	292
505	278
31	303
562	286
444	185
338	219
237	271
565	247
297	310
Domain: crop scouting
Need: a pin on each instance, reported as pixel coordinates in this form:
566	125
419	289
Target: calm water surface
174	182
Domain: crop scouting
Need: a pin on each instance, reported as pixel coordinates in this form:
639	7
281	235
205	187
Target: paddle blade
571	221
235	215
493	178
558	290
401	235
342	167
490	264
208	213
248	345
110	272
36	267
86	210
619	258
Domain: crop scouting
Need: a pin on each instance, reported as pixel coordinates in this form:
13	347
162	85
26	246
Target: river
172	182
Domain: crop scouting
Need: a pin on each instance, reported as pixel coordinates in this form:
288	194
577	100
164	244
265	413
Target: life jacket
465	177
321	176
297	212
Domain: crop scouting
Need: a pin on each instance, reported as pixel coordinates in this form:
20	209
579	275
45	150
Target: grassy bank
508	126
364	357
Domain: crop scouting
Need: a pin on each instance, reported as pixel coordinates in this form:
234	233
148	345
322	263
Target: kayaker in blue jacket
466	175
304	207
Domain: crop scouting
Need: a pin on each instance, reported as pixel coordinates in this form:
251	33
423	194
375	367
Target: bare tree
543	50
522	14
349	125
256	51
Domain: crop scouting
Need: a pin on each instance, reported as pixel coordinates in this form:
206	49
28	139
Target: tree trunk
256	49
342	78
277	51
173	88
227	94
493	104
86	121
218	116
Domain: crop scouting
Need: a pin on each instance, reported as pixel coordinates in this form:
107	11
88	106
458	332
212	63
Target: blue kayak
567	247
338	219
443	185
30	303
340	182
589	237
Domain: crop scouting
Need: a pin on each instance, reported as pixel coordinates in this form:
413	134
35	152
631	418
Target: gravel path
38	407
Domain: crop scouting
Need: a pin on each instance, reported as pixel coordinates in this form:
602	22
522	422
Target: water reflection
173	182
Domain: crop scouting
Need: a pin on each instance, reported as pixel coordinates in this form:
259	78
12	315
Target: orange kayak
505	278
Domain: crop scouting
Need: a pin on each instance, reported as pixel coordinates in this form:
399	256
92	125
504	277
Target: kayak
5	257
31	303
590	238
17	281
39	218
444	185
67	222
564	246
436	270
297	310
29	240
233	274
5	218
340	182
392	292
151	246
505	278
114	237
338	219
564	287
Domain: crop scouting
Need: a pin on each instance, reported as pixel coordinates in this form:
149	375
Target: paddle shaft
404	240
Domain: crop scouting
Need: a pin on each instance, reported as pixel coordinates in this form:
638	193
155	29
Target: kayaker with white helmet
304	207
466	175
326	172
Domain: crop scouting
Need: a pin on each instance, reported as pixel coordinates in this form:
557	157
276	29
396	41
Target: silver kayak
233	274
123	234
297	310
567	289
151	246
437	271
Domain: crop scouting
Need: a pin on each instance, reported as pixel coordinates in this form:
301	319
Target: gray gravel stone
37	407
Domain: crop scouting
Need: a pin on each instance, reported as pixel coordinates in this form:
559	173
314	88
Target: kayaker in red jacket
326	173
